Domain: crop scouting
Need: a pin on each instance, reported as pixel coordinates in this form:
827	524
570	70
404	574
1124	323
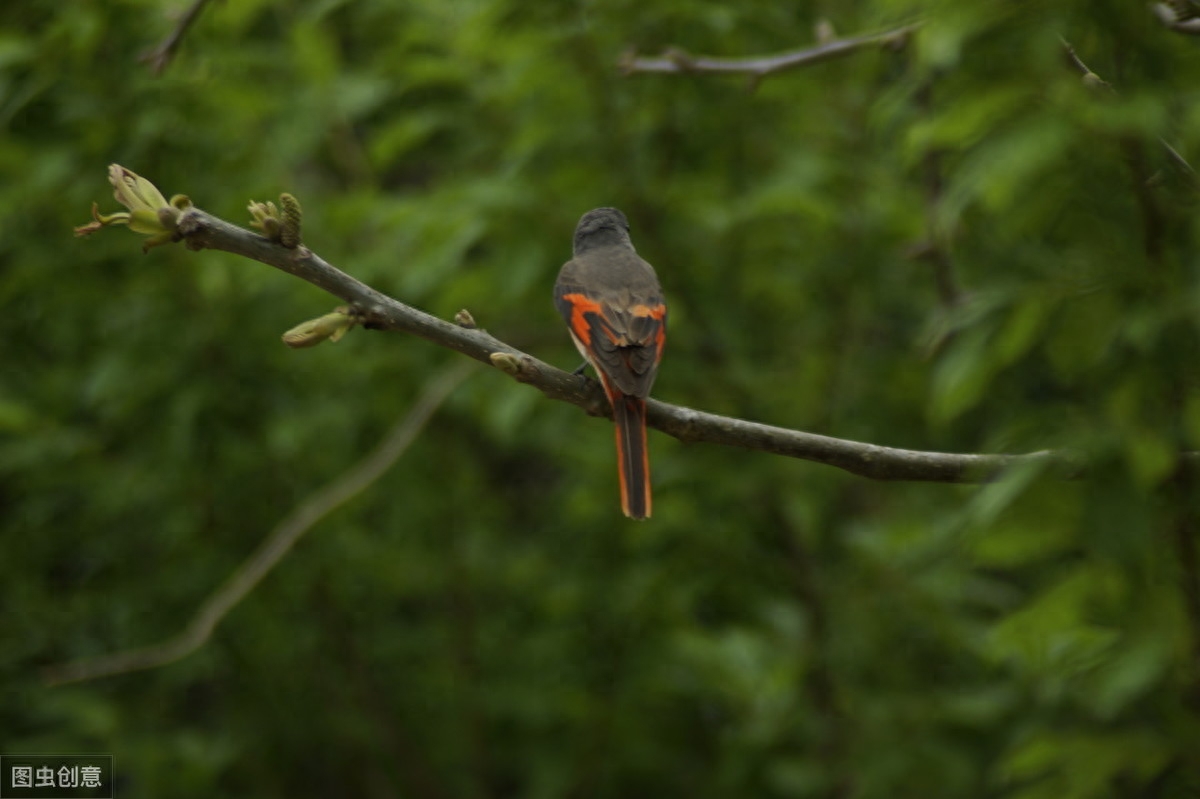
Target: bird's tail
629	414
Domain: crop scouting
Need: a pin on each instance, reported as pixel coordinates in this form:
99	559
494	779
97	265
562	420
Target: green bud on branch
281	227
509	364
289	234
149	212
331	326
265	218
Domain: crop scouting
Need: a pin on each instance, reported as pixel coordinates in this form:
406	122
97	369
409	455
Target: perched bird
614	309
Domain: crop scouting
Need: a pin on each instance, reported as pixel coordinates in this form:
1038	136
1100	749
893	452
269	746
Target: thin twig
273	548
1180	16
1095	80
1077	62
938	252
676	60
1178	159
160	57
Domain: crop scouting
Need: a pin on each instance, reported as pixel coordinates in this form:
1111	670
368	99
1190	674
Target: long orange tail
629	413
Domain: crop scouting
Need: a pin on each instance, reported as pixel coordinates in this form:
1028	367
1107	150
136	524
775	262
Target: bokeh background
955	245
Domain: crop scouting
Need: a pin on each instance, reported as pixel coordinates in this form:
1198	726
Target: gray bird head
602	227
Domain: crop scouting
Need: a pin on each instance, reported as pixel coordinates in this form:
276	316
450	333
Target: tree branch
1092	79
675	60
1180	16
200	230
272	549
161	56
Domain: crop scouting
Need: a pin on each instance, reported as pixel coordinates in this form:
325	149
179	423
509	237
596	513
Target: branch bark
676	60
1092	79
161	56
200	230
1179	15
271	551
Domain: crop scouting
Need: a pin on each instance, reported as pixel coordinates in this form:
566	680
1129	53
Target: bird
614	309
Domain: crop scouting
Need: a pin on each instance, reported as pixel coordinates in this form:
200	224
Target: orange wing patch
655	312
659	329
581	305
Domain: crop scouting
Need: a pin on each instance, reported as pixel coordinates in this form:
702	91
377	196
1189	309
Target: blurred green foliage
956	245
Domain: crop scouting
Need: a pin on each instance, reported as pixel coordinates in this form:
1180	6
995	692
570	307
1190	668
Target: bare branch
676	60
160	57
856	457
272	549
1083	68
1094	80
1178	159
202	230
1180	16
937	246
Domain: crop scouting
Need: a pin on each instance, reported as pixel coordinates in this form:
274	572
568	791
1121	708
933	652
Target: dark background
956	245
